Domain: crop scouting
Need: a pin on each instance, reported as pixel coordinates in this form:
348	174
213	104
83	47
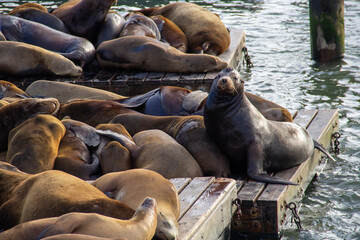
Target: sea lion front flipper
64	224
255	166
322	149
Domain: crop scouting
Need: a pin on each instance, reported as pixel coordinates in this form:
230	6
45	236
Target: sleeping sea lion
8	89
38	13
13	114
34	61
171	33
140	25
139	52
204	30
189	131
33	145
52	193
253	144
75	14
131	186
77	49
111	28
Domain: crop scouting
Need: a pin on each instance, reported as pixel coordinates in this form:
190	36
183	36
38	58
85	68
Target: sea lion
77	49
161	153
254	144
171	33
74	155
26	197
140	25
111	28
113	155
15	113
38	13
124	53
189	131
34	61
92	112
75	236
8	89
204	30
131	186
65	92
33	145
75	15
2	37
140	227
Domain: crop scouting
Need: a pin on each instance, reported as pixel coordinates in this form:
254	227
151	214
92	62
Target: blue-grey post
327	29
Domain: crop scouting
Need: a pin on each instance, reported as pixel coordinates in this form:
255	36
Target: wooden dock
207	204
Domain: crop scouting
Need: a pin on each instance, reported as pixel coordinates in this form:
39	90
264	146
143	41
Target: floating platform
207	204
129	83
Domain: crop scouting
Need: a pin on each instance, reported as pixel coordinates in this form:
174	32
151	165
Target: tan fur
26	197
138	52
8	89
26	6
131	186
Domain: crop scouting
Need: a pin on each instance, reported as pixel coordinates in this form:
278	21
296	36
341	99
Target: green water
278	41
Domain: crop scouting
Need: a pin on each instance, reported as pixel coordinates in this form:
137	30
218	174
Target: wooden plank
304	117
180	183
211	215
137	78
154	78
192	192
276	197
171	79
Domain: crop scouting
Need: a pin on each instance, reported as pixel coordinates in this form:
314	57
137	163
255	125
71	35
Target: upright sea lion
254	144
34	61
139	52
171	33
75	14
93	112
26	197
140	25
33	145
111	28
74	155
141	226
161	153
204	30
131	186
13	114
39	16
189	131
77	49
8	89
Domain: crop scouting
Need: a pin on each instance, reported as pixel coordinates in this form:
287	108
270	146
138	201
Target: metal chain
249	64
335	144
295	216
238	202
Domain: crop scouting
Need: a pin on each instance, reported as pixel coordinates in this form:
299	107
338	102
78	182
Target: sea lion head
229	82
167	228
46	105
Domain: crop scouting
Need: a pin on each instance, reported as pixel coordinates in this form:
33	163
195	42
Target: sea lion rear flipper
322	149
138	100
255	167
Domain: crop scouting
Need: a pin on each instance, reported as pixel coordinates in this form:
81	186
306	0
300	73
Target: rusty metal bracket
238	202
335	143
295	216
247	59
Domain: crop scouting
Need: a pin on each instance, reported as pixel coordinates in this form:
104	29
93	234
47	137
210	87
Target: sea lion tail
322	149
269	179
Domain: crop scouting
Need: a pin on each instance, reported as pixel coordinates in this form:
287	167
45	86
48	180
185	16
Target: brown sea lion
34	61
111	28
141	226
26	197
189	131
77	49
204	30
140	25
125	52
75	15
92	112
13	114
131	186
40	16
8	89
253	144
75	156
28	5
113	155
75	236
33	145
171	33
161	153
